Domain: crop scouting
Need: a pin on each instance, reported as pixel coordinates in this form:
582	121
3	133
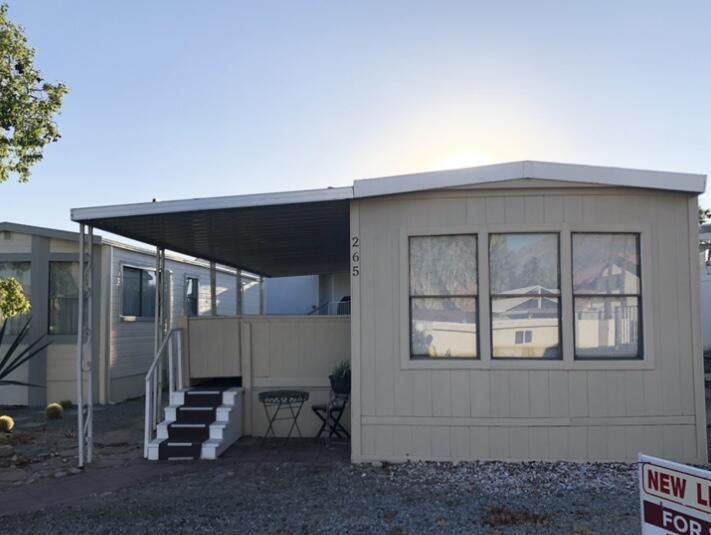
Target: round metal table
280	401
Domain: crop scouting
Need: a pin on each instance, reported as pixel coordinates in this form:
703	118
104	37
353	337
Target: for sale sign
674	498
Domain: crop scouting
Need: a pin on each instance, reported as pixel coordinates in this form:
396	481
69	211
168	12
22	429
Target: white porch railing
154	391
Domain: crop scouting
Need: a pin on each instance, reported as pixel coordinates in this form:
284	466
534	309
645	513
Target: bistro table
281	401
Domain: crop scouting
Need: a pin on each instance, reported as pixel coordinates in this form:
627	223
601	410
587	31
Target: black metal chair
330	415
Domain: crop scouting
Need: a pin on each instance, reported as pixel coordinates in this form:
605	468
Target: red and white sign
674	498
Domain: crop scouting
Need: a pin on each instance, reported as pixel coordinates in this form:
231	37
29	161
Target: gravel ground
281	498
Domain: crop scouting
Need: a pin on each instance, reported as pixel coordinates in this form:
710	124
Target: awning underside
274	241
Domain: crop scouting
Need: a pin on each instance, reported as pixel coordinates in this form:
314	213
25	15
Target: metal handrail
153	397
332	308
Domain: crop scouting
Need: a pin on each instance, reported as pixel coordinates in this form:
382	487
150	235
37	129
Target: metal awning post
240	293
85	393
159	329
213	289
262	308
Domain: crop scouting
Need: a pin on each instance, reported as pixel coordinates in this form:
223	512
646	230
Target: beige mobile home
517	311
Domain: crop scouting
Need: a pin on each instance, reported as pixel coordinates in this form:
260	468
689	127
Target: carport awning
274	234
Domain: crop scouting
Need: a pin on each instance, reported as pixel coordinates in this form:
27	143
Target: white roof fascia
587	174
212	203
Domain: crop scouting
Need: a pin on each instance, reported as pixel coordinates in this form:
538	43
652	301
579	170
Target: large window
191	296
524	280
443	296
63	297
139	293
607	295
21	272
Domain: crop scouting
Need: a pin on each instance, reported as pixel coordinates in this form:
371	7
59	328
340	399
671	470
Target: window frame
50	297
196	278
485	362
126	317
491	296
476	297
639	296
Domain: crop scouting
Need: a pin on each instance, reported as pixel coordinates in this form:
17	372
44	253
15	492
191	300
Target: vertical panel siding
557	413
131	342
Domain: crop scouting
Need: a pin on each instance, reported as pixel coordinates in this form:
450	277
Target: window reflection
525	289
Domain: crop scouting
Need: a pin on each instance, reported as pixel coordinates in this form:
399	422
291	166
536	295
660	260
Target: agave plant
13	357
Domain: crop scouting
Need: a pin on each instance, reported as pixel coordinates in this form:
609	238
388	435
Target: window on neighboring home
443	296
607	295
21	272
524	337
524	281
191	296
139	292
63	297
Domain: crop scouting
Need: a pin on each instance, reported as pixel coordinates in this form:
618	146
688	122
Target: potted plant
341	378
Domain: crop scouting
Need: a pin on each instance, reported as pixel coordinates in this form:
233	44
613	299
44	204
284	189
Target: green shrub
54	411
6	424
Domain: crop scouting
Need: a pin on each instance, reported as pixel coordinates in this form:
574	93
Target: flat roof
306	232
563	172
72	236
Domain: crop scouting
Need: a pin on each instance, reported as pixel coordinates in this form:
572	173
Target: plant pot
341	384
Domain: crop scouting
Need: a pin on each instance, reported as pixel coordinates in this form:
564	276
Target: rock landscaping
302	487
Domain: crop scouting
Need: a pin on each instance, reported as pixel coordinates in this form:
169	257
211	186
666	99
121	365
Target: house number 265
355	256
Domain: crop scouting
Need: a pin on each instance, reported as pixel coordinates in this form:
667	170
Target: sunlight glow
457	160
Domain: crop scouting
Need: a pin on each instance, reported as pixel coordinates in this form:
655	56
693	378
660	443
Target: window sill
524	364
137	319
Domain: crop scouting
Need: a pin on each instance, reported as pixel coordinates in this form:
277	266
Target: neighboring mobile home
518	311
44	260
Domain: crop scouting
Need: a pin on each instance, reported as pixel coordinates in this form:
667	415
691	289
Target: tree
12	299
28	104
12	303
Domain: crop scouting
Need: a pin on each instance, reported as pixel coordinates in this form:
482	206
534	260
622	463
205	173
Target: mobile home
44	260
527	310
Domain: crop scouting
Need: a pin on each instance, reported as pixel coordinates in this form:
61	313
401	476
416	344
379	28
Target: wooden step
170	450
195	415
203	398
181	432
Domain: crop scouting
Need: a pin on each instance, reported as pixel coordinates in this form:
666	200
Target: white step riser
223	413
228	397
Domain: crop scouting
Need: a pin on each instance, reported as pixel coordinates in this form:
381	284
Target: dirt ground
39	448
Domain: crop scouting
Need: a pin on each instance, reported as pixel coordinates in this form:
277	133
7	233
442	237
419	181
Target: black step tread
197	398
195	415
173	449
182	432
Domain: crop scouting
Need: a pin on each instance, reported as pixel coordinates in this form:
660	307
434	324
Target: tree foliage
28	104
12	298
704	215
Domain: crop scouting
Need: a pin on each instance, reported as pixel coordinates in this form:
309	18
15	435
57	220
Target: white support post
159	332
84	374
240	293
213	289
261	296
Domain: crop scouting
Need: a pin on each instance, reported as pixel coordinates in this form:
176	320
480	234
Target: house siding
131	342
529	410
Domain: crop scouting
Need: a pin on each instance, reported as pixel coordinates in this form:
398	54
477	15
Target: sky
175	99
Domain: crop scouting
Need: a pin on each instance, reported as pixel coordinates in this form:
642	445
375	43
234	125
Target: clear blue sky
175	99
